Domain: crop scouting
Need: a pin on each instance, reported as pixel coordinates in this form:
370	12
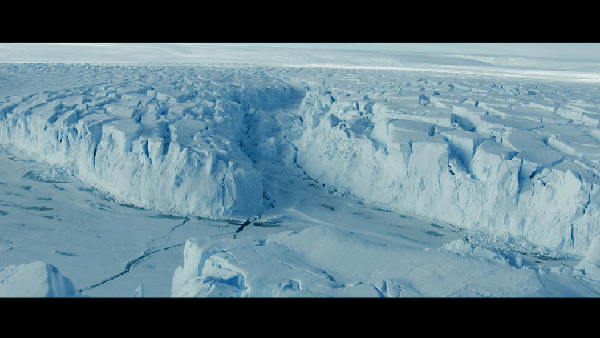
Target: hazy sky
576	51
107	52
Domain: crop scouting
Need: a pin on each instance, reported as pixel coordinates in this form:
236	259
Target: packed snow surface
280	180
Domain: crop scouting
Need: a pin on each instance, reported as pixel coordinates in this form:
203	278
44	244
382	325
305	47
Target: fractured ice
501	156
172	146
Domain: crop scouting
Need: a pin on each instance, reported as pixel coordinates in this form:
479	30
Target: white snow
246	171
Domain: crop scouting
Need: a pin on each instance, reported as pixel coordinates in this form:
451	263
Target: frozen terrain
282	172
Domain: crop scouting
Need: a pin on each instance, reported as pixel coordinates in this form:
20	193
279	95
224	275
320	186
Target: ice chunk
206	272
404	125
139	292
36	279
492	160
576	145
590	264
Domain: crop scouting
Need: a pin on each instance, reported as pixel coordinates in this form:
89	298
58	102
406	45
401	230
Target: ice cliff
510	168
501	157
169	143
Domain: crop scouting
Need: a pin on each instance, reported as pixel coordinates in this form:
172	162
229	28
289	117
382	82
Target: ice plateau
247	144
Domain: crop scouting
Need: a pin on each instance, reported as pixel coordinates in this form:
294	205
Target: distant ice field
553	62
304	173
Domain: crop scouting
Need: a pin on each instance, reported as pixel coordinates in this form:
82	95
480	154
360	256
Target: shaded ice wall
168	142
503	167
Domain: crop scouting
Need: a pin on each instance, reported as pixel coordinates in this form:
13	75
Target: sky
573	51
111	52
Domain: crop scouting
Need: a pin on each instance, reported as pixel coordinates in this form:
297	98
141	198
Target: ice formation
500	156
504	159
36	279
166	141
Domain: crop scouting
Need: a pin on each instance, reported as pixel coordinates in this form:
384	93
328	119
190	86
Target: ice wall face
166	139
501	159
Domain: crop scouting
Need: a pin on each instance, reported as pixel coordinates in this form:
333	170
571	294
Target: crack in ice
130	264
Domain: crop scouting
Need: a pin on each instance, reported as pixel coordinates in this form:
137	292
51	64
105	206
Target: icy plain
297	173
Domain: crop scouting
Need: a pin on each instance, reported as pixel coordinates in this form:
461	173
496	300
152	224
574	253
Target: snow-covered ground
221	170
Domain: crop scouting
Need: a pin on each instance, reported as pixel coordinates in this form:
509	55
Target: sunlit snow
222	170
